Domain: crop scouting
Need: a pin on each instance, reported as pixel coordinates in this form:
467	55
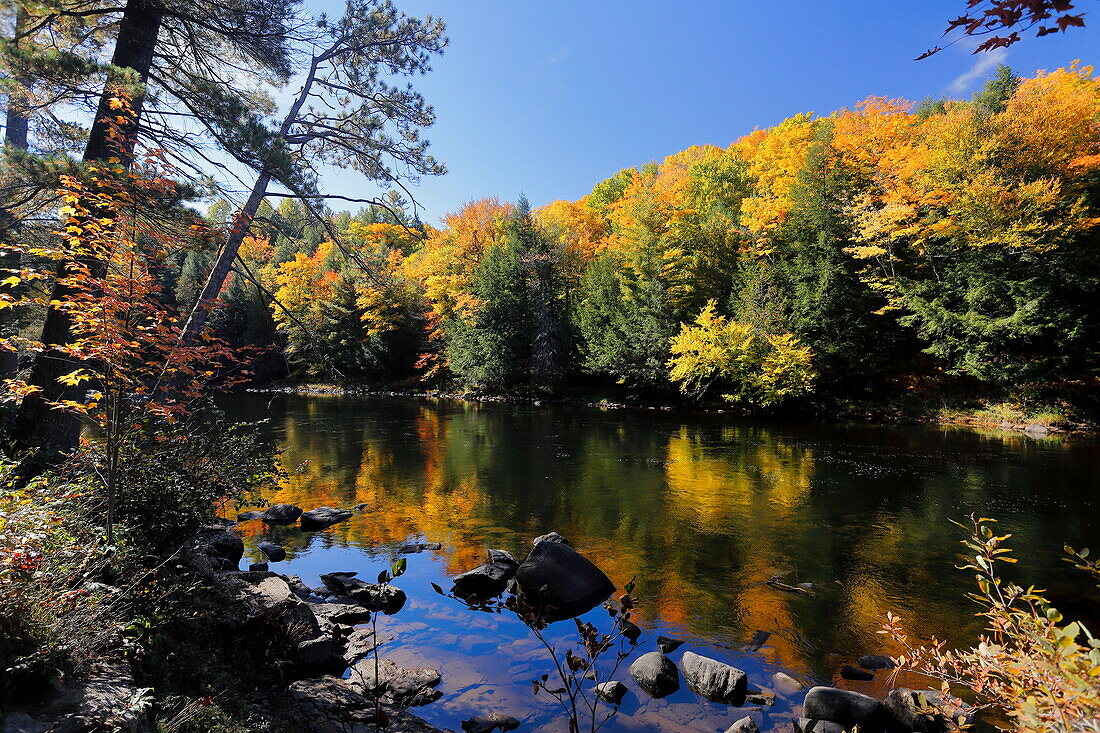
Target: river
702	509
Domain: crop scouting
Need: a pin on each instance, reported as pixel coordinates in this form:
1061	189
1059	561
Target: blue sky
549	98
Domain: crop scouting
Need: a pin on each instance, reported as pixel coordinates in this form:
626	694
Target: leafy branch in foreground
1040	670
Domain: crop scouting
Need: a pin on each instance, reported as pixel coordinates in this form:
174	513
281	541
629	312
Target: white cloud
987	61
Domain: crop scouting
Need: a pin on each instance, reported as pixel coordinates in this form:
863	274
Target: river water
702	509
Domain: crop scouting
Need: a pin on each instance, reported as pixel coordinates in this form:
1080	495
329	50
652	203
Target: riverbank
1035	423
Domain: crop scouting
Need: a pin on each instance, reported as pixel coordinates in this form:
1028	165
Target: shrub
1039	669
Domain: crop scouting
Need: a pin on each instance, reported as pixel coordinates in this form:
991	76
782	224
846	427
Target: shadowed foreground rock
102	701
329	705
844	707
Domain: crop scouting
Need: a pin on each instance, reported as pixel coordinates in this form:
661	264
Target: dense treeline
877	249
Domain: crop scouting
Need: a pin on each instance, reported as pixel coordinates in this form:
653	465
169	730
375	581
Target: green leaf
398	567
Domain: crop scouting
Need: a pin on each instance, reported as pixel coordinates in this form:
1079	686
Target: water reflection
703	510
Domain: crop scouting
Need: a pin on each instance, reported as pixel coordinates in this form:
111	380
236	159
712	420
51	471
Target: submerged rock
489	723
744	725
322	517
281	514
273	552
876	661
844	707
785	684
668	645
611	692
656	674
714	680
561	582
849	672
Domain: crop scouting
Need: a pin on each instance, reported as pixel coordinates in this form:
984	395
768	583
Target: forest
944	247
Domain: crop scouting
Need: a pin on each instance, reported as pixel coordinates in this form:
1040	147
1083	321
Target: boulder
668	645
487	580
281	514
328	705
923	711
273	552
489	723
315	652
1036	430
844	707
550	537
248	516
212	550
321	517
341	613
394	684
375	597
656	674
849	672
561	582
611	692
412	548
257	567
744	725
715	681
876	661
785	684
358	645
297	587
764	699
258	599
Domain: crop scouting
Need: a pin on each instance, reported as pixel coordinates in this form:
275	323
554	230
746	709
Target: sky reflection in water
701	508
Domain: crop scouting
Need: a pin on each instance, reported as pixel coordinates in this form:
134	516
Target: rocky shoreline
324	673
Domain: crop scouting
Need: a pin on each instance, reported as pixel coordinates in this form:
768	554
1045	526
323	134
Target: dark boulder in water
273	552
322	517
487	580
656	674
844	707
281	514
560	582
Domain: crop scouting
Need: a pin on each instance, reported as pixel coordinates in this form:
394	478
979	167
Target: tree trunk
15	137
38	425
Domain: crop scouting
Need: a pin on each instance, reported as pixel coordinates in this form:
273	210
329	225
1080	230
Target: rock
656	674
330	705
316	651
257	566
849	672
360	507
341	613
876	661
786	684
297	587
714	680
273	552
108	699
550	537
844	707
487	580
765	699
561	581
1036	430
744	725
394	684
359	644
258	599
489	723
248	516
375	597
281	514
611	692
212	550
668	645
807	725
322	517
922	711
